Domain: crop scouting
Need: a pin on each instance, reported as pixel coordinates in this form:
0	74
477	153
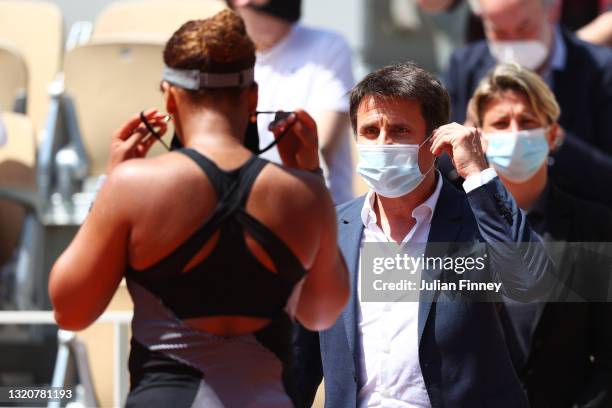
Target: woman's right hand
130	141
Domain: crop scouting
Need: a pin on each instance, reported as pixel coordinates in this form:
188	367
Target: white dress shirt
390	368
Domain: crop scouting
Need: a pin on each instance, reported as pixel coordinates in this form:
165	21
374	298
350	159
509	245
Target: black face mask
251	140
288	10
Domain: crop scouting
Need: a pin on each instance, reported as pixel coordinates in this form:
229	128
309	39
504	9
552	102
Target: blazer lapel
350	230
445	226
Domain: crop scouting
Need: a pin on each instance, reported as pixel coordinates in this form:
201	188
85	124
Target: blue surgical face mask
391	170
517	155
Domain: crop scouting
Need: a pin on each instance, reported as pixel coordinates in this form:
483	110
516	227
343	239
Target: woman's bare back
174	198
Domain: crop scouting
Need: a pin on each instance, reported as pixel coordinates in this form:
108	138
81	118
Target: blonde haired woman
562	351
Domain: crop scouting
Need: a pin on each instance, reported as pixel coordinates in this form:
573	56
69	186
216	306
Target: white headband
195	80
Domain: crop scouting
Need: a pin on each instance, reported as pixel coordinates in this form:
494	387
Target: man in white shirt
302	67
422	347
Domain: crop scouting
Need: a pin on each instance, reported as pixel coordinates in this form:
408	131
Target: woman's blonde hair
512	77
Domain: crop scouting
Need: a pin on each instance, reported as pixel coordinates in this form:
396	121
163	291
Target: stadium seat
14	78
153	17
36	29
108	82
17	162
20	225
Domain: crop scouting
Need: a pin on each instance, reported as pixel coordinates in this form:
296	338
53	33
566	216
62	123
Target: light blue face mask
517	155
391	170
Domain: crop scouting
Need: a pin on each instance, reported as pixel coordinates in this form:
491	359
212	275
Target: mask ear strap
426	140
433	165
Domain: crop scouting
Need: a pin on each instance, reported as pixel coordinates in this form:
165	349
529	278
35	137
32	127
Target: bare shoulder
297	189
136	173
297	181
140	182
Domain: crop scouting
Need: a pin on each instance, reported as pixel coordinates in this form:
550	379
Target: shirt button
386	393
387	307
386	350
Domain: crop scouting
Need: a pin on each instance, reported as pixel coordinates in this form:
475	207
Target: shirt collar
422	213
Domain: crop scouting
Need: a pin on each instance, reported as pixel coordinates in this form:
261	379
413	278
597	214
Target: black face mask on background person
288	10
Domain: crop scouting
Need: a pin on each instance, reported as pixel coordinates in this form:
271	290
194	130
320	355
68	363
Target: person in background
579	74
562	350
299	66
220	249
590	19
431	351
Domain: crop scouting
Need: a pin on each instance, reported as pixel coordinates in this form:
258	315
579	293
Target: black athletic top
230	280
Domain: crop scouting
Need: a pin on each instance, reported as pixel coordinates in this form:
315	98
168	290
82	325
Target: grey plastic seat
35	28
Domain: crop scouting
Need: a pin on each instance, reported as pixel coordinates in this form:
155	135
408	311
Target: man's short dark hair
406	81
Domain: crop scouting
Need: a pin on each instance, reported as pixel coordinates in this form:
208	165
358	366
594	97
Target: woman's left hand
299	148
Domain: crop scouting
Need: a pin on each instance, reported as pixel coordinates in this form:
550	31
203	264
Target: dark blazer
463	357
568	362
584	92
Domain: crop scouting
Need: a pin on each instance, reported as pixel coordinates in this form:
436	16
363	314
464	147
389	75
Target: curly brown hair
217	44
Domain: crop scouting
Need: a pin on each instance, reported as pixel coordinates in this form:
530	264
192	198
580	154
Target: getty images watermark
412	265
479	271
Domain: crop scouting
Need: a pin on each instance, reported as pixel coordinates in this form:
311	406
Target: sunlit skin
515	20
385	120
169	193
512	112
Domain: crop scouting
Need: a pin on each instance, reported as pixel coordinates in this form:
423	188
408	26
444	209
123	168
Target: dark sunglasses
279	116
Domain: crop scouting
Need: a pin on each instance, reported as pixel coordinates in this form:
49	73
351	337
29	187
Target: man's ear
252	97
